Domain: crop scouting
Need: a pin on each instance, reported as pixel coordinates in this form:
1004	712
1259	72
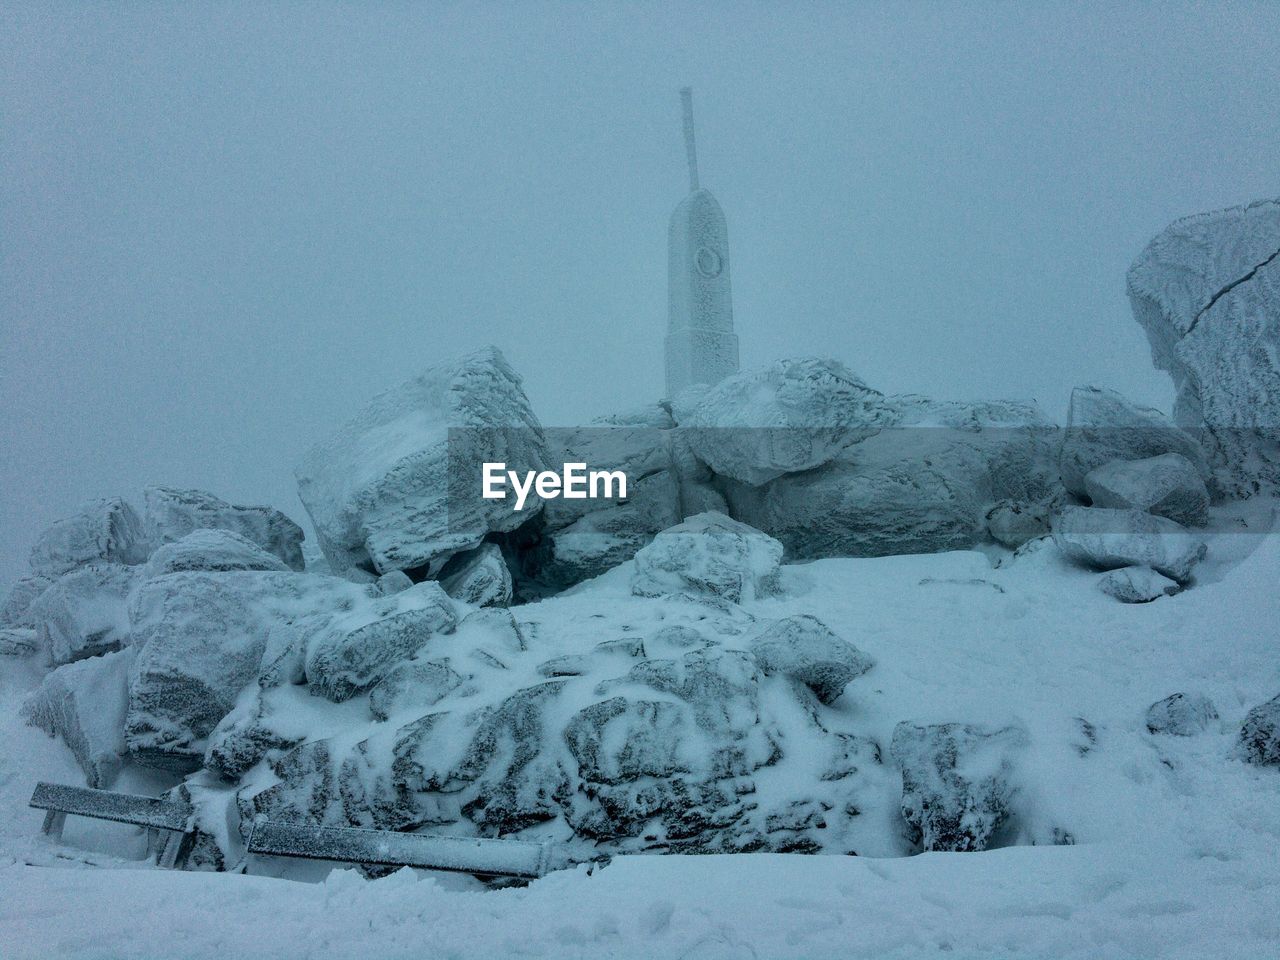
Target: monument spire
701	346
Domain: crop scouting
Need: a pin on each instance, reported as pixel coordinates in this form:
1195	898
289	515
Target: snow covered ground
1177	843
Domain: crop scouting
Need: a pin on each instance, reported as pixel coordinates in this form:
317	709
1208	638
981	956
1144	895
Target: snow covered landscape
819	668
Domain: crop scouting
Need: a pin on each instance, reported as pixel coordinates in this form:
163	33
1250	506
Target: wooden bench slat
157	812
503	858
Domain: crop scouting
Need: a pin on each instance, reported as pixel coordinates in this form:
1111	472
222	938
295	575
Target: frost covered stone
957	783
417	684
16	611
18	642
85	612
201	638
1168	485
1012	523
173	513
1260	734
398	486
1106	539
921	486
103	530
1207	292
581	539
479	577
1103	426
211	550
791	416
357	648
1181	715
245	735
708	555
85	704
1137	585
804	648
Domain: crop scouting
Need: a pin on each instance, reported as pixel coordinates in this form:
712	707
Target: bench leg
169	851
53	821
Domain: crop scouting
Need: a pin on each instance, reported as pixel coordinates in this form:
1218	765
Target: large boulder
360	646
16	611
804	648
957	781
1137	585
794	415
581	539
398	487
85	612
172	514
201	638
1106	539
102	531
708	555
1181	715
1207	292
1103	426
479	577
1259	740
922	486
85	704
1168	485
216	551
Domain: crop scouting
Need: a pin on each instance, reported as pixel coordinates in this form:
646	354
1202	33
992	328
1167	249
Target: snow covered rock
957	781
1260	734
18	642
708	555
392	582
245	735
16	611
103	530
581	539
794	415
1207	292
922	486
85	612
211	550
479	577
398	487
1137	585
1106	539
1103	426
85	704
415	684
1181	715
1168	485
804	648
172	513
1012	524
201	638
358	648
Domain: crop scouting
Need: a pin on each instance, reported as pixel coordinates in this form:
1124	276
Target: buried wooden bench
387	848
161	815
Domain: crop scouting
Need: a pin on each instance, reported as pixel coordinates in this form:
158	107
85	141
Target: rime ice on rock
398	486
1168	485
172	514
1207	292
102	530
710	556
701	346
1107	539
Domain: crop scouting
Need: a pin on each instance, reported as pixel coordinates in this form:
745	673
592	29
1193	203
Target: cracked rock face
1207	292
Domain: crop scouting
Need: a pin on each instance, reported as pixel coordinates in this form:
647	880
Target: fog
225	227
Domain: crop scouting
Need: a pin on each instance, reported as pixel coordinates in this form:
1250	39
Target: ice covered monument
701	345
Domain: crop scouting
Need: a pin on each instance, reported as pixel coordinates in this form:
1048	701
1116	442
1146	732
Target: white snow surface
1177	840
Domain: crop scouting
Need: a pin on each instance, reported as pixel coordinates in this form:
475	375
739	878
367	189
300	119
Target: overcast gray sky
224	227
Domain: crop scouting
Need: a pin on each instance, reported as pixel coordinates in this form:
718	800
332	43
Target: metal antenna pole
690	148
